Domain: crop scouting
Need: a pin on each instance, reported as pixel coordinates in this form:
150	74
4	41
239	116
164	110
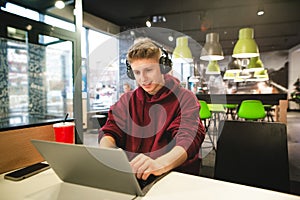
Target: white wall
274	59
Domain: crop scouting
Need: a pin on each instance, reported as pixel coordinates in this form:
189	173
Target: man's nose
143	76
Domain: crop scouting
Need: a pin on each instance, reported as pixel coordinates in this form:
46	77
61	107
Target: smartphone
26	172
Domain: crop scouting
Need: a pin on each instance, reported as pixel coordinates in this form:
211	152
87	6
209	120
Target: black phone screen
27	171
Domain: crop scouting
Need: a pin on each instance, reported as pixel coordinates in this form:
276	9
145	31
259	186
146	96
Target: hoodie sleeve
116	124
187	128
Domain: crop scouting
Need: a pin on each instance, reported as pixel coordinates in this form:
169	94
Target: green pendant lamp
261	75
213	68
182	52
212	49
255	64
246	46
229	75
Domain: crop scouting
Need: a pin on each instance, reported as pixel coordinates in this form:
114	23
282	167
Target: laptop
103	168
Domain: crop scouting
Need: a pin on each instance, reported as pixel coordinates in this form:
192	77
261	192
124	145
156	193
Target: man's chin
148	90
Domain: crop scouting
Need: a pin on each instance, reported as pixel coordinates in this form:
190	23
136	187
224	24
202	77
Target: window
30	14
103	70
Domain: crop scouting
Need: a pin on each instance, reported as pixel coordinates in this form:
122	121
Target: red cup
64	132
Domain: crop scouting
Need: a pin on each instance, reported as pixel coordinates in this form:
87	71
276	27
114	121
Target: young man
126	87
158	123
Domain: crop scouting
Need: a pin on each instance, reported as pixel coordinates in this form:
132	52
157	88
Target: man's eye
136	72
149	70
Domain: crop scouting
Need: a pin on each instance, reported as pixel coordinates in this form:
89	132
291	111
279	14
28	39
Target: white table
47	185
181	186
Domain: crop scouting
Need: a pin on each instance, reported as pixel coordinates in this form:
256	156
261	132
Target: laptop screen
103	168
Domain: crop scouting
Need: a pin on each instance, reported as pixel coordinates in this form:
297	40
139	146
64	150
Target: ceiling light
260	12
158	18
148	23
182	52
246	46
262	74
29	27
212	49
213	68
255	64
171	38
59	4
229	75
259	76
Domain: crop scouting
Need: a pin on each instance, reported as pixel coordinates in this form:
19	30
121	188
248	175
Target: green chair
231	110
251	110
206	116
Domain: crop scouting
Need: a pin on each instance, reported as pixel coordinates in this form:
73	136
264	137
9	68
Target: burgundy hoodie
154	124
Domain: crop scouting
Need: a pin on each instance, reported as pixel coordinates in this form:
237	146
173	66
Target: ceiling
277	29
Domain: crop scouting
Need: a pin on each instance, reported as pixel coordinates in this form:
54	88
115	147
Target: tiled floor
293	127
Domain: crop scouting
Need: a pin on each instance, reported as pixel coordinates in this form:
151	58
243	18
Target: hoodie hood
171	86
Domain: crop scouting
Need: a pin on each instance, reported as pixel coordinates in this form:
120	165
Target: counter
271	99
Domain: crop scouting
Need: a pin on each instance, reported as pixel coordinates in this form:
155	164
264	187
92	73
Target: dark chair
253	153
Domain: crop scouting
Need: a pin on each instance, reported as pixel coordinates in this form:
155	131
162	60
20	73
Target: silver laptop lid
103	168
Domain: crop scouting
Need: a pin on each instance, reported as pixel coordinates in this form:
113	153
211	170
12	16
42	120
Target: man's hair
143	48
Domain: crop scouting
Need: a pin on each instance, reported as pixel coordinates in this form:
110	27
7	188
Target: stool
231	110
269	110
216	110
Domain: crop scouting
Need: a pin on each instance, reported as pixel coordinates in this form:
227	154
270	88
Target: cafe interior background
64	60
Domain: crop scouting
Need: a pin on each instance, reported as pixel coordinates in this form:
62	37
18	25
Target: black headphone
165	64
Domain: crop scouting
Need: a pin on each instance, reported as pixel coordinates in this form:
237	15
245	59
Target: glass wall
38	78
37	81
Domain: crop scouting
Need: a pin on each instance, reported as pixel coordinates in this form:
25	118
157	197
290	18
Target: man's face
147	74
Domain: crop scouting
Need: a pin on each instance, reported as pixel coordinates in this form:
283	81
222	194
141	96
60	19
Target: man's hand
107	141
143	166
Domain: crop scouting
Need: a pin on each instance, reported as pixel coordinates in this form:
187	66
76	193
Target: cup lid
60	124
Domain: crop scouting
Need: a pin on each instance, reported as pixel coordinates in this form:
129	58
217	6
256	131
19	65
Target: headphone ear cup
165	63
129	71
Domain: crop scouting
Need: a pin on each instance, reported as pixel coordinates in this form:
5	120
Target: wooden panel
281	111
16	150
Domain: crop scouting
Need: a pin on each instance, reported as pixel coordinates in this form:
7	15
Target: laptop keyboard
144	183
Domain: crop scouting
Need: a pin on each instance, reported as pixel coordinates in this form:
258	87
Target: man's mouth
146	84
